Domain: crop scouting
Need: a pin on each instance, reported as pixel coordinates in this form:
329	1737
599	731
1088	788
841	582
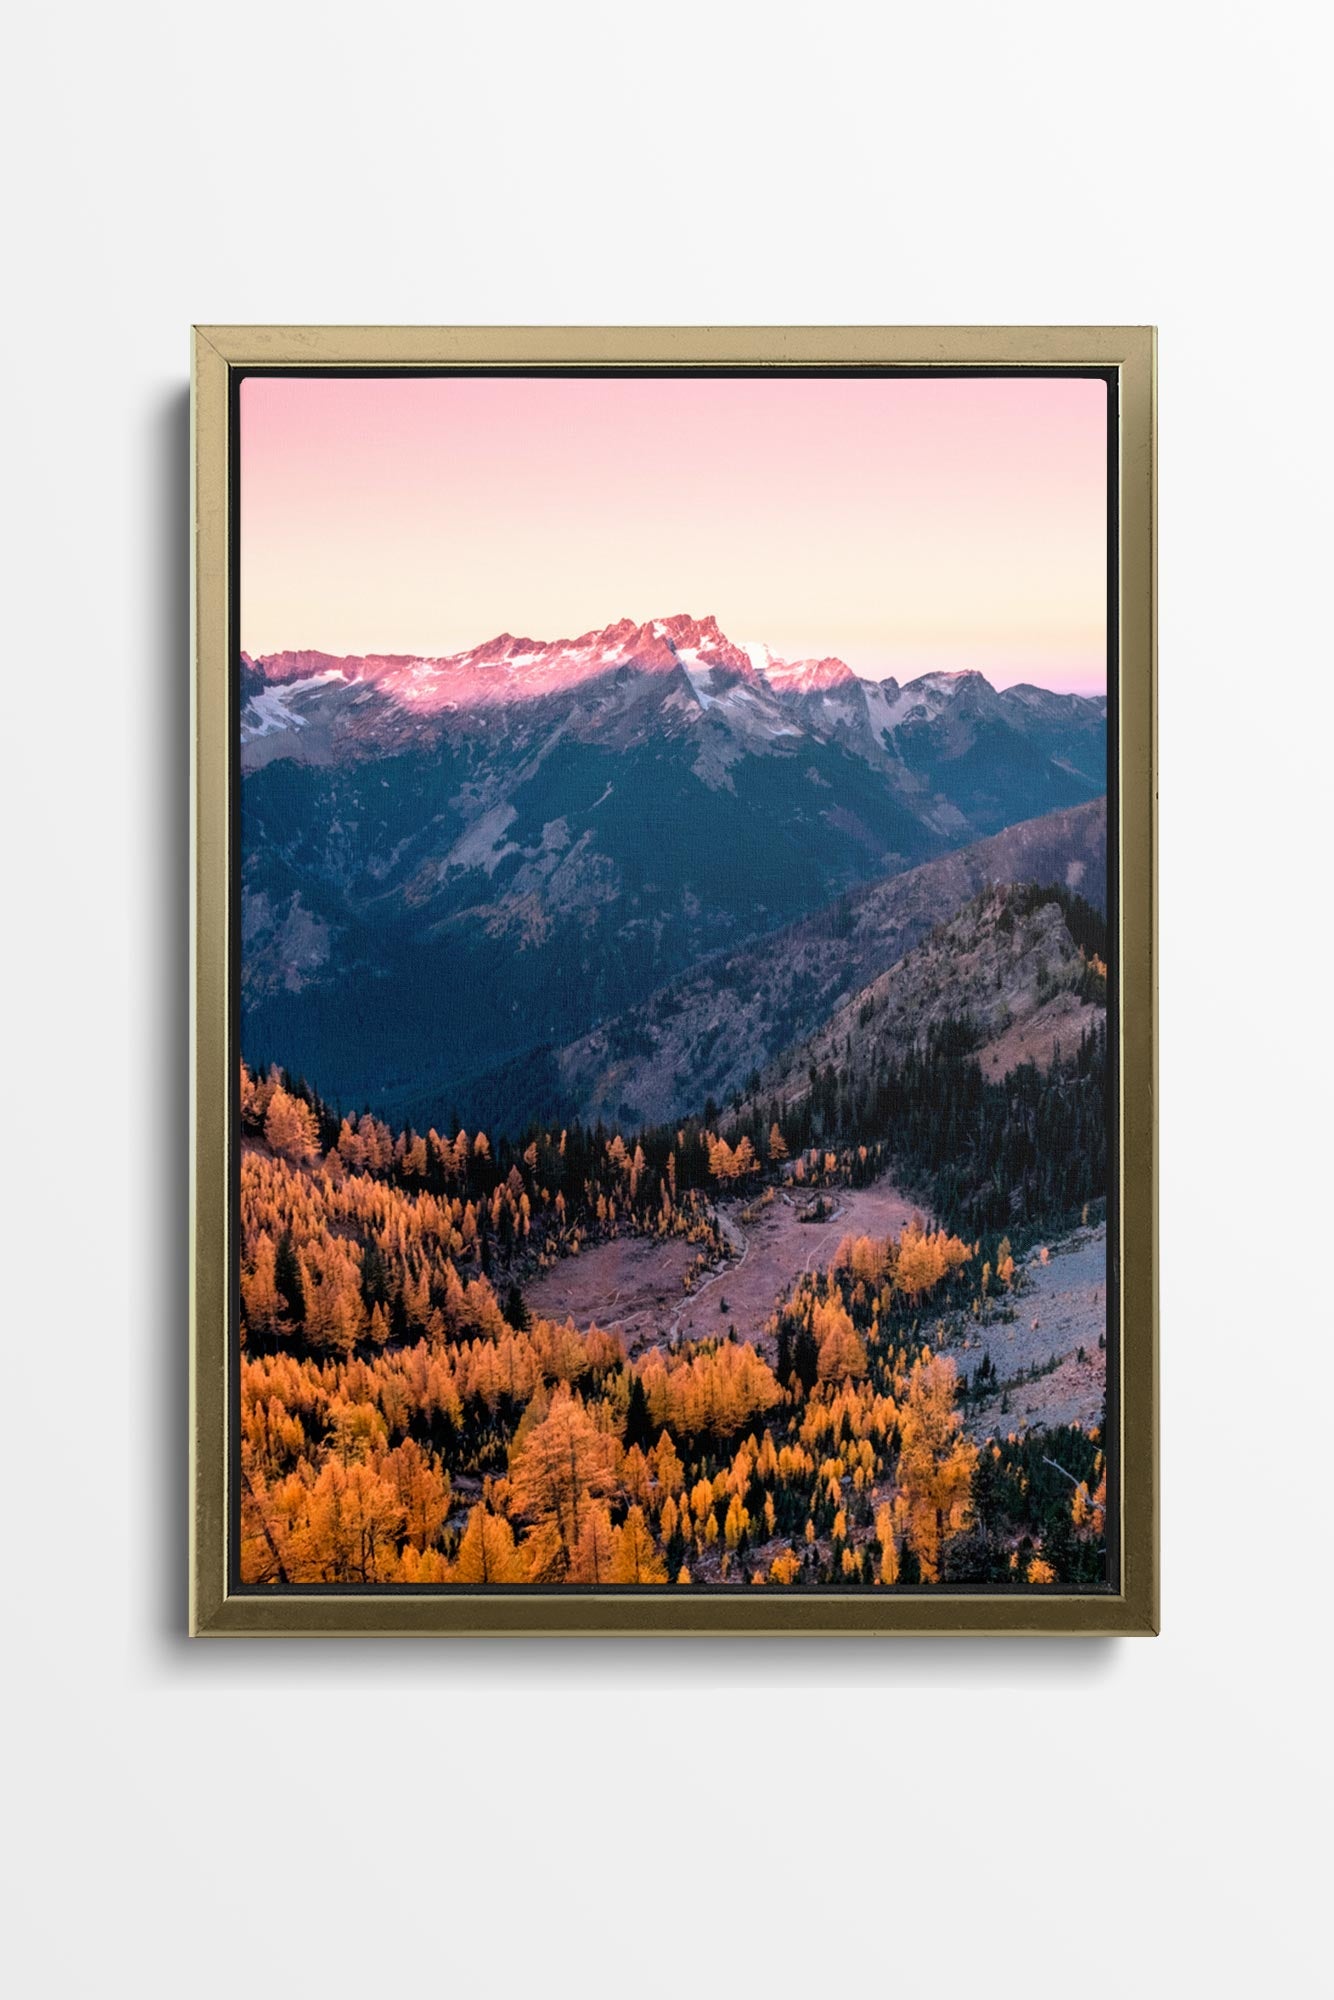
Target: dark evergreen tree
374	1277
806	1359
287	1278
638	1424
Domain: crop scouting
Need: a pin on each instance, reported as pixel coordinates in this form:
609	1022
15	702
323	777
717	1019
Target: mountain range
708	1032
454	867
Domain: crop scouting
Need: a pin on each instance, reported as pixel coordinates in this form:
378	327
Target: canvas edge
1137	862
213	1611
210	920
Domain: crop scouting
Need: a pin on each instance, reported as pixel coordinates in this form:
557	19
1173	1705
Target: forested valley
406	1419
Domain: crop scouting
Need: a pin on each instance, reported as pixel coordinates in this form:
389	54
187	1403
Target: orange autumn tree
290	1128
840	1347
593	1560
423	1491
936	1462
713	1392
562	1462
345	1529
635	1558
914	1263
889	1554
925	1257
487	1553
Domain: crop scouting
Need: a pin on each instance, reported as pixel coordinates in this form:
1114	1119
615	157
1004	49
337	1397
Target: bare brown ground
635	1284
1058	1025
632	1286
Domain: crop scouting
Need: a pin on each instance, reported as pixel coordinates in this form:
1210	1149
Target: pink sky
903	525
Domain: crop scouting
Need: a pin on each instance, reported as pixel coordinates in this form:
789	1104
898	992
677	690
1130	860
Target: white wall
667	1819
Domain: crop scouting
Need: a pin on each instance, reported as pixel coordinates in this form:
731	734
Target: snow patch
698	675
269	710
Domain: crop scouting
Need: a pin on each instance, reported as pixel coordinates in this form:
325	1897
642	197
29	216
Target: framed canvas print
673	1126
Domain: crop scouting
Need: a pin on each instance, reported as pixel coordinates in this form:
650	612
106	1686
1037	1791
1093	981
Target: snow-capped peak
810	676
745	684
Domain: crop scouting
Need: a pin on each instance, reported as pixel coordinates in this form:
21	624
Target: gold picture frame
216	1606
